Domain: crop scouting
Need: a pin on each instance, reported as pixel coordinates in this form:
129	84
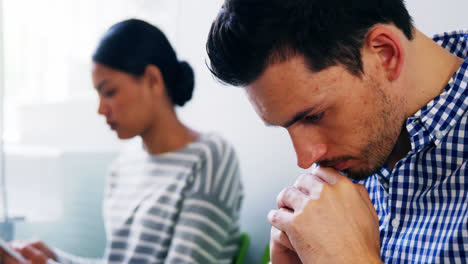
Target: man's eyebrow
101	85
298	117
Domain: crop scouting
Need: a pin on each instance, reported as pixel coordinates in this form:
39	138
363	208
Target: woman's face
124	100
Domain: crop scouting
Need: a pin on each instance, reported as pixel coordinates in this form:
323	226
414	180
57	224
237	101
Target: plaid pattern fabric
422	204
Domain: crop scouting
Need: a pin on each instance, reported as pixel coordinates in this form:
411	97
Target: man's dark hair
249	35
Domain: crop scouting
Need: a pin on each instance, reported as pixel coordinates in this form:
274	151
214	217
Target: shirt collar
432	122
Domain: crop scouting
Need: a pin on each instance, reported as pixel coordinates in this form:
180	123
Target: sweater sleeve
66	258
207	229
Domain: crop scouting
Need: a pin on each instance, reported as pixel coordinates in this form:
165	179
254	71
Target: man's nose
309	148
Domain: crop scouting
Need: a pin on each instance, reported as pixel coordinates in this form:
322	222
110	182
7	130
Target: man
364	94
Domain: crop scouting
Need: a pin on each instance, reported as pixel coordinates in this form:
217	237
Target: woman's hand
35	251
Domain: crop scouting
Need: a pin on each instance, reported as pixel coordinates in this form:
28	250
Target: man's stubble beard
383	134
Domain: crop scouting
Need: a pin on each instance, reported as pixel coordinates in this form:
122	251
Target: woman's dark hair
249	35
131	45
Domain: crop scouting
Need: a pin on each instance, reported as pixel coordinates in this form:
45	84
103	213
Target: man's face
334	118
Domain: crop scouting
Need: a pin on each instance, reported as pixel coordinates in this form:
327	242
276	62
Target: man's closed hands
324	218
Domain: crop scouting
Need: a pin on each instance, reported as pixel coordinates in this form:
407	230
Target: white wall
437	16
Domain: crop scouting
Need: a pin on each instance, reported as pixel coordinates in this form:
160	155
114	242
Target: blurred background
55	149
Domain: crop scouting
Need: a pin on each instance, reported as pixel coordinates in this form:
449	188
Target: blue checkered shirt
423	203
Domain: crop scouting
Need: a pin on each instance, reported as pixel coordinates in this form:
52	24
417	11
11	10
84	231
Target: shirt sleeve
207	230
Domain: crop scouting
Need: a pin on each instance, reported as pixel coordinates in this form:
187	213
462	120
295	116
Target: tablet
11	252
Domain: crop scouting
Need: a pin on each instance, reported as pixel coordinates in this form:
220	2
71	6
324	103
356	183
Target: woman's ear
387	46
154	79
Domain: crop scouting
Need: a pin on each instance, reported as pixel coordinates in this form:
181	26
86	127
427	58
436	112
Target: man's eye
314	118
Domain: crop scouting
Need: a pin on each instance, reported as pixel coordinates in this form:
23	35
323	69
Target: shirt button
395	222
439	134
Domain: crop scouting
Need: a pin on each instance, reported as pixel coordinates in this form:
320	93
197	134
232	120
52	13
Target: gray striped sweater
178	207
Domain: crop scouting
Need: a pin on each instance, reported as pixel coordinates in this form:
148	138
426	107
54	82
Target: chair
244	246
266	255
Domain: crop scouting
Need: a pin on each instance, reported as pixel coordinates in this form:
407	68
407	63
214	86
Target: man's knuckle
280	196
288	193
275	217
302	178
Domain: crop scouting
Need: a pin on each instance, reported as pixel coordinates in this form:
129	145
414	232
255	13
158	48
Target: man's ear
153	77
386	44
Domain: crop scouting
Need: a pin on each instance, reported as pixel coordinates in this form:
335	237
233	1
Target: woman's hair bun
183	84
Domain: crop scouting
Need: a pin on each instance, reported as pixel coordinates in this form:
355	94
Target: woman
176	199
